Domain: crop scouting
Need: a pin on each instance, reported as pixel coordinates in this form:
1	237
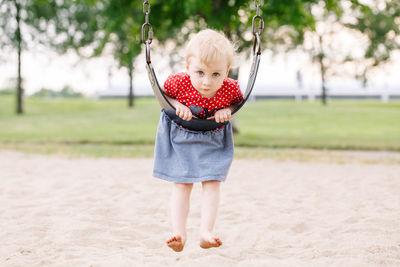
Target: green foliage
69	92
46	93
66	92
8	37
380	23
64	24
7	92
234	18
121	28
121	21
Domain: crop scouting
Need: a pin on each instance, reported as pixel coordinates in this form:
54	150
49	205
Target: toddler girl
183	156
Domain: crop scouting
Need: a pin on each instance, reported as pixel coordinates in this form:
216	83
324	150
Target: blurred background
73	78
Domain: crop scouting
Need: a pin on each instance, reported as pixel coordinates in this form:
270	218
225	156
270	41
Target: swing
197	124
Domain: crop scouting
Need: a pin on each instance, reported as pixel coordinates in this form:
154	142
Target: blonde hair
210	46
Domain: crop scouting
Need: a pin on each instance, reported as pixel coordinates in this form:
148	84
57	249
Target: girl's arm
233	107
224	114
170	89
181	110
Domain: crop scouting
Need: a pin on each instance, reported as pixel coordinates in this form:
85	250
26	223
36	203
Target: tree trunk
19	41
234	74
130	69
323	72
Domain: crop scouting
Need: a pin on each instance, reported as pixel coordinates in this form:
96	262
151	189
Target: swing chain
146	24
146	11
257	39
257	3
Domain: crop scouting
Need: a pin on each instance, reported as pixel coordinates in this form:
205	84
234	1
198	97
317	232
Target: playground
306	174
272	213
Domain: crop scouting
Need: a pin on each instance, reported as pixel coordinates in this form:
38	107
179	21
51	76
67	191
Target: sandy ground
57	211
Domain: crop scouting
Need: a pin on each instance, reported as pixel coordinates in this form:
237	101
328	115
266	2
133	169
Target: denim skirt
186	156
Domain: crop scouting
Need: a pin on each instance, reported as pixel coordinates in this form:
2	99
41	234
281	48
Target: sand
59	211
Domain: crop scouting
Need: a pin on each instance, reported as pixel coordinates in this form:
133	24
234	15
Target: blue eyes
201	73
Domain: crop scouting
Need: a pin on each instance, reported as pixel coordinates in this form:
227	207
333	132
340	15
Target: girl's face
207	79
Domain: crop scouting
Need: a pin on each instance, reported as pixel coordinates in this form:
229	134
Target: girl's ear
227	70
187	64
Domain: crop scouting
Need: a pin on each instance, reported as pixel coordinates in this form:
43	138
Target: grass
79	121
107	128
342	124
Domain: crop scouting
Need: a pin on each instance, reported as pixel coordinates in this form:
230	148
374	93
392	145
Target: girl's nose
207	80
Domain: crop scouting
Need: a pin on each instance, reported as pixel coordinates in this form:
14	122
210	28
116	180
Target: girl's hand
183	112
222	115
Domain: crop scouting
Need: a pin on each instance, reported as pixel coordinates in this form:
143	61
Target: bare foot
208	240
176	243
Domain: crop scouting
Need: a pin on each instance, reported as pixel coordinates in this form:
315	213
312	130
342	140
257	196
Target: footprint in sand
300	228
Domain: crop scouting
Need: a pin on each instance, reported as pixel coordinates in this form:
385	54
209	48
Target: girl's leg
209	208
180	204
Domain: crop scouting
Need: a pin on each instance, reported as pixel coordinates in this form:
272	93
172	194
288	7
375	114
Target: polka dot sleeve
172	85
237	95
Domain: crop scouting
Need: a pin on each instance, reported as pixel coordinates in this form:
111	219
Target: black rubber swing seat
196	124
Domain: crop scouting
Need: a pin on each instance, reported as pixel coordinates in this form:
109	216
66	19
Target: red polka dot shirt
179	87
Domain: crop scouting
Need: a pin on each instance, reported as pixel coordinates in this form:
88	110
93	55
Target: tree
321	39
112	25
121	30
380	23
324	42
92	26
61	24
376	27
10	29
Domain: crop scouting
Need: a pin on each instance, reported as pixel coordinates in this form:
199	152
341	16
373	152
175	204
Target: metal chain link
146	8
146	24
258	4
257	38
